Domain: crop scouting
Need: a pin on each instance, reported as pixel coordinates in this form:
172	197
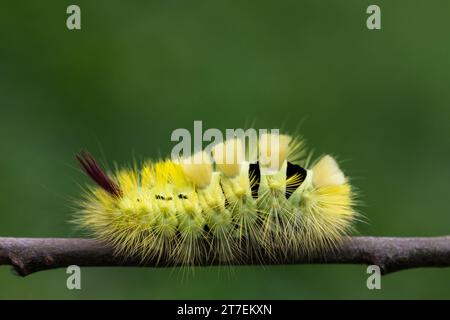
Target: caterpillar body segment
184	212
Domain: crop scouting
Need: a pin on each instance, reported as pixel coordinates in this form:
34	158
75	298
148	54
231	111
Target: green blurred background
138	70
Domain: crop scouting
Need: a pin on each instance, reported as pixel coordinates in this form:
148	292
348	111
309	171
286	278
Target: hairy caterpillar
183	212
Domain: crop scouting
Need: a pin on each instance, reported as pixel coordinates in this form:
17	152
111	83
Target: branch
29	255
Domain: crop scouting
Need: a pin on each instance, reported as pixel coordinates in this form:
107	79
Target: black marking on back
226	203
254	174
292	170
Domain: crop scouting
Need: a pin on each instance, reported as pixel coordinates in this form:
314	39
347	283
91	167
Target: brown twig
29	255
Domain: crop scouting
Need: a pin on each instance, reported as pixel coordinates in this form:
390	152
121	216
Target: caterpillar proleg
221	206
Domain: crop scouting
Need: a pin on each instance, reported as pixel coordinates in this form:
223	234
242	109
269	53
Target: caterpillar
202	208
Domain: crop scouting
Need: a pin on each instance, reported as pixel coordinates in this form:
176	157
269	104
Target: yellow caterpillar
184	212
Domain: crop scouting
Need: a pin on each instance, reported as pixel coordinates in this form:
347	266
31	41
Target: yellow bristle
127	180
147	177
297	151
327	216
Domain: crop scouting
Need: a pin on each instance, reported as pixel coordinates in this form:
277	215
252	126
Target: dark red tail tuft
92	169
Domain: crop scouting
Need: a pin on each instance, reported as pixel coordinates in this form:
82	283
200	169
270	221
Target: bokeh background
138	70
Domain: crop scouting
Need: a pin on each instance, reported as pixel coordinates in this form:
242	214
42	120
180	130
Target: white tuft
273	150
198	168
229	156
328	173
